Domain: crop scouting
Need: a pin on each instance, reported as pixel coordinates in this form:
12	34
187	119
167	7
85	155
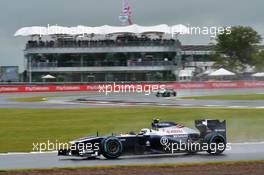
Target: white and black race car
162	138
166	93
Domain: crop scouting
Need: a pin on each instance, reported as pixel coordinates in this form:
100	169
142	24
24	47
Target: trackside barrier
98	87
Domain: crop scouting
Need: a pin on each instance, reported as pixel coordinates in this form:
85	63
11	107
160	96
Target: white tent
260	74
222	72
48	77
207	72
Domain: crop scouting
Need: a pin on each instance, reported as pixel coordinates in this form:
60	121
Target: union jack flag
127	11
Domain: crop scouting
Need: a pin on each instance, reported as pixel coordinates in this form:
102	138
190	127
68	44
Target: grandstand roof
102	30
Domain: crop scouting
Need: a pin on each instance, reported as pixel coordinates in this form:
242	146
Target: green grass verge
33	99
29	99
21	127
229	97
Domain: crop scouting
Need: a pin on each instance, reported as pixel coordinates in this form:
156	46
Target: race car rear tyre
216	143
111	147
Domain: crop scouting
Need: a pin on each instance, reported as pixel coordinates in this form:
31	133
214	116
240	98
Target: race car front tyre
216	143
111	147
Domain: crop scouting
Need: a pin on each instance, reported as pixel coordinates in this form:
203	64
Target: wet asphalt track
252	151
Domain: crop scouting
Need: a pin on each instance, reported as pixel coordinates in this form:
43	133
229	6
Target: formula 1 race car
163	138
166	93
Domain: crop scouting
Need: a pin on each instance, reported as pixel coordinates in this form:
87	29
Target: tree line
238	50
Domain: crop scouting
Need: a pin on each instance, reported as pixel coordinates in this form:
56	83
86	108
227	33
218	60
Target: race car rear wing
208	126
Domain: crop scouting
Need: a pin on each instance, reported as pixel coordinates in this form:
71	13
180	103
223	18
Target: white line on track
212	105
185	105
59	102
237	106
26	153
248	143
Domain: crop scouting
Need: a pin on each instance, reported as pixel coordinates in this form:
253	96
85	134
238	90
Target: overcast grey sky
15	14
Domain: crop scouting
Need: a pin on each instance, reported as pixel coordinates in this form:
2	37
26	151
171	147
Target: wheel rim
113	147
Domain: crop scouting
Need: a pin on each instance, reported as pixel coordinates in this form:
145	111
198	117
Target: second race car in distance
166	93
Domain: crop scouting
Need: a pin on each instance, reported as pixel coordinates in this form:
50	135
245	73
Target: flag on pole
126	13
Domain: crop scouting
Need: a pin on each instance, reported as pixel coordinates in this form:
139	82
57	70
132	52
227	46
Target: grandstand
133	53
